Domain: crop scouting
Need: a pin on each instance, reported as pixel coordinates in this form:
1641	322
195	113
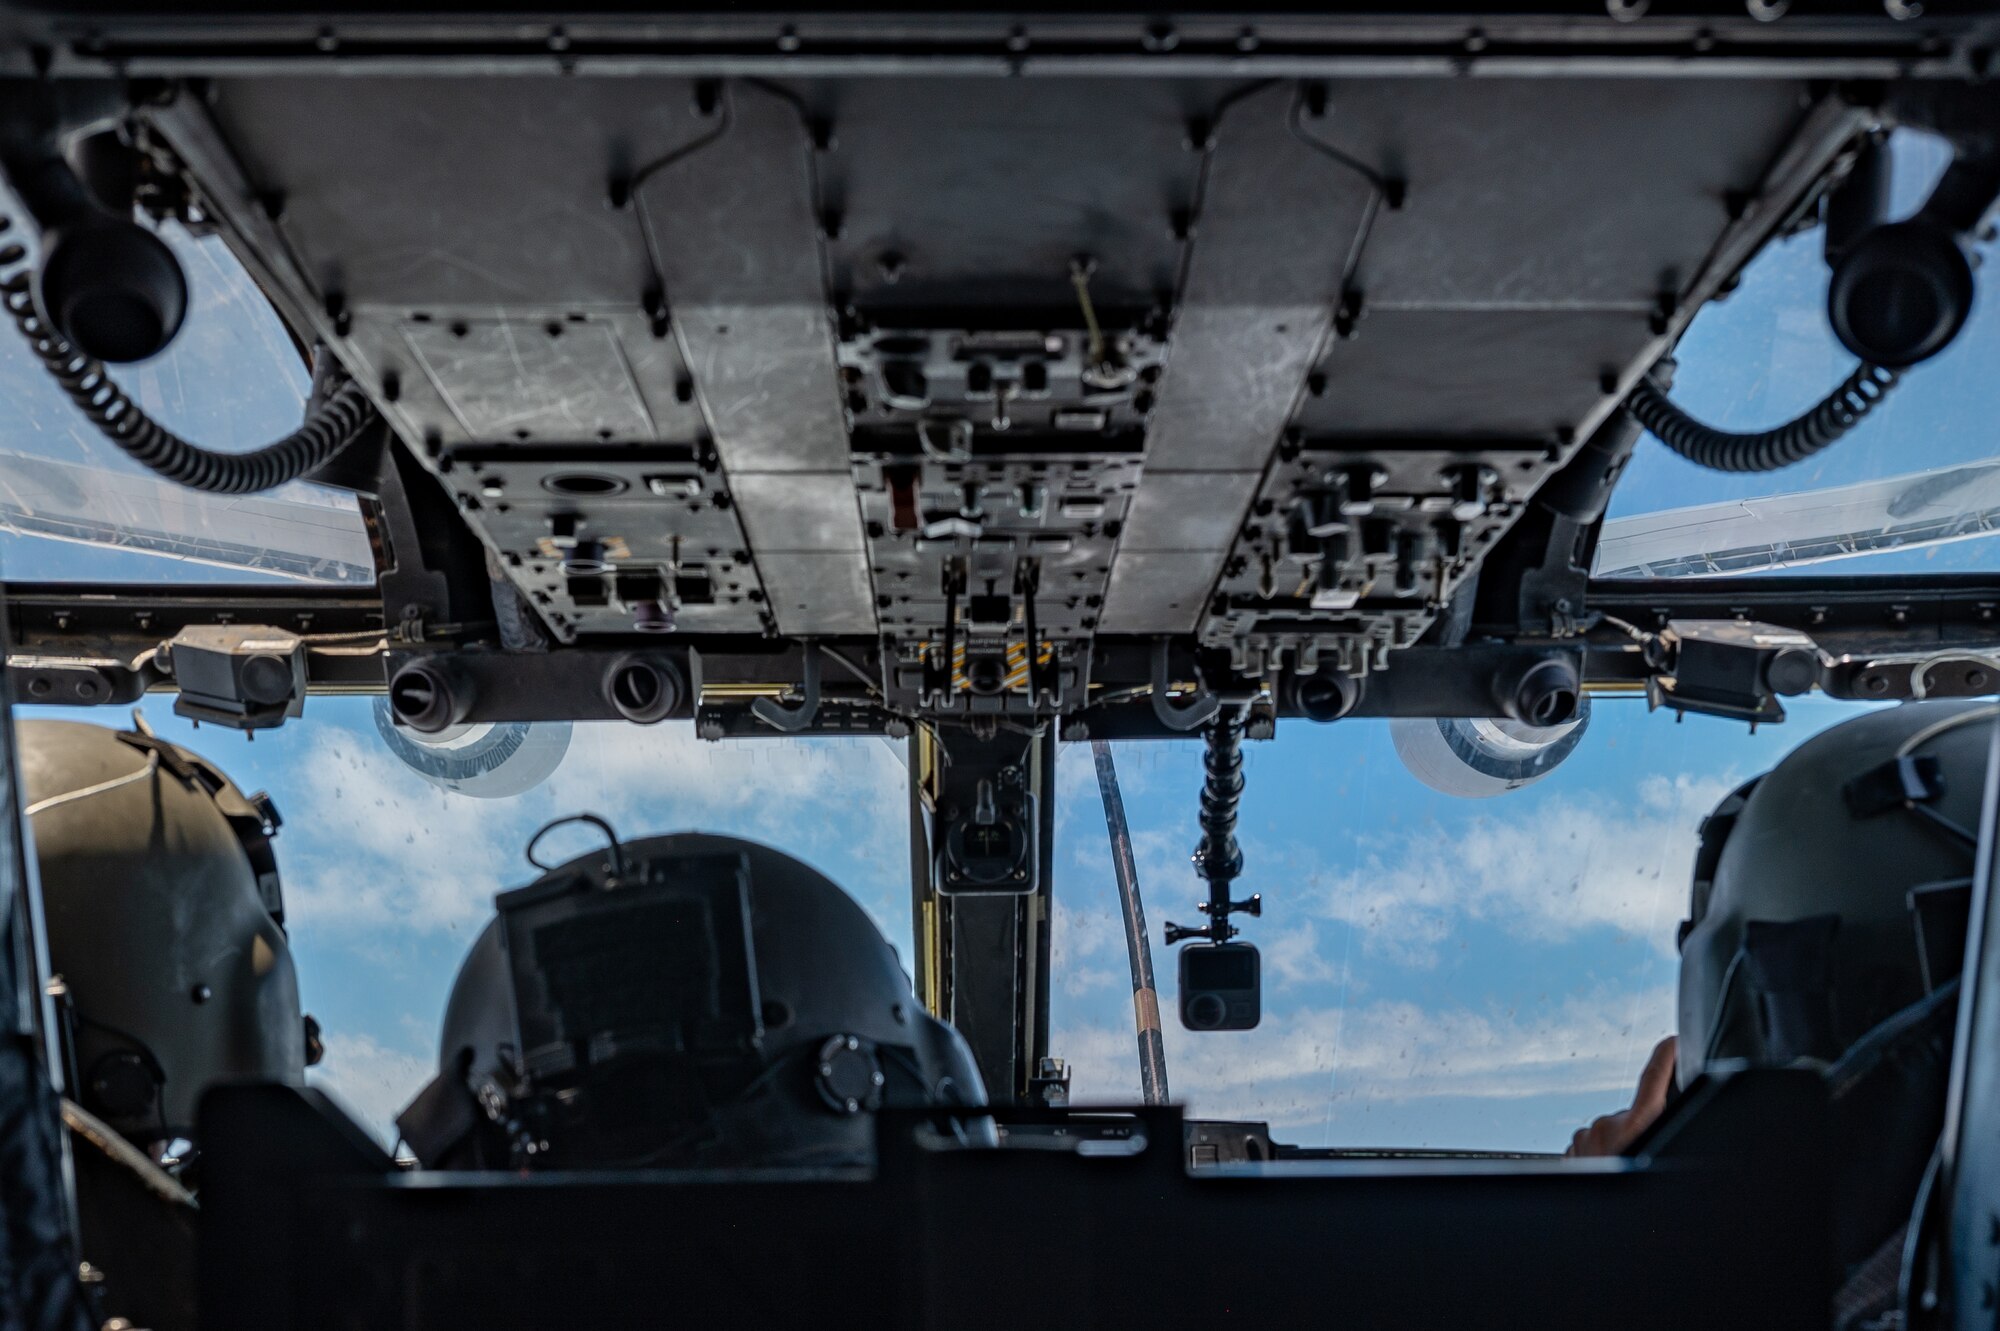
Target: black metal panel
531	686
1353	550
523	378
544	372
78	643
941	194
986	1006
1844	613
1882	636
615	540
734	229
1470	374
1487	221
1112	1239
512	183
832	717
1837	38
1277	226
731	220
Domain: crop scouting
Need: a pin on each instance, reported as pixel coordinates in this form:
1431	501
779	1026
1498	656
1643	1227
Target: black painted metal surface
1725	1227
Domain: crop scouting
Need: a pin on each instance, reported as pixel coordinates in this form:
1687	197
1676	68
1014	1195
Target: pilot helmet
679	1001
1831	893
164	921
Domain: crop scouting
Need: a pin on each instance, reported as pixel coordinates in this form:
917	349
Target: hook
795	718
1180	716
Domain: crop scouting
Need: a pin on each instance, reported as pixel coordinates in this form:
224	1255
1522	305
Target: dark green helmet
676	1001
1828	893
164	921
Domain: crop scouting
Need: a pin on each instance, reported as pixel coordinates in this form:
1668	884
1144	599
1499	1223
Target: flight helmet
685	1000
164	921
1830	893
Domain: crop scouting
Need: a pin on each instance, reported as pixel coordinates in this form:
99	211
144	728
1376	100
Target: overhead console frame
857	370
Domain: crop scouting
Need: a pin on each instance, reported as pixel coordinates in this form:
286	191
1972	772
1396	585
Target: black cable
617	847
331	426
1766	450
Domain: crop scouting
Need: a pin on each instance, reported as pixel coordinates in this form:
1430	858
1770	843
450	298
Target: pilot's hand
1612	1133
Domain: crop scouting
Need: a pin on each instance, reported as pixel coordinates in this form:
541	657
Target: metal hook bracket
1190	715
796	717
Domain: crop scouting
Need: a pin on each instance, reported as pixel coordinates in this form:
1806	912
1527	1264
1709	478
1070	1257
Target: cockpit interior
775	560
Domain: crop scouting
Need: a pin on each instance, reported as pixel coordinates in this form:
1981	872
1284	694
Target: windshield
387	877
1915	487
73	508
1439	971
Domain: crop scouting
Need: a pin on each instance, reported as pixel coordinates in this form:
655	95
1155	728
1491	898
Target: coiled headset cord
1766	450
330	427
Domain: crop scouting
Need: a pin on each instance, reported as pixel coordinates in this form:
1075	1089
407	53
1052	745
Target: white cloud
1080	937
1300	1069
1294	957
386	849
1547	872
372	1082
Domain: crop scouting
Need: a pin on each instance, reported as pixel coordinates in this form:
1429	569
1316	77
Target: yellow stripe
1146	1006
1017	663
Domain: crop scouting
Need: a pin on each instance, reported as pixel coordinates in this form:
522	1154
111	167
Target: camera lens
1205	1012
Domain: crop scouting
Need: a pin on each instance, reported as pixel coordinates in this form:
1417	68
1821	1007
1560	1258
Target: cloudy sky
1439	972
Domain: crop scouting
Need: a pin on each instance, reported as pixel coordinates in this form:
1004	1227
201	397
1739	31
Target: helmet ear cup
1900	293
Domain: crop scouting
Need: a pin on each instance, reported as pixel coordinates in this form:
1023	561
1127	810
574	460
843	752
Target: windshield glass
1914	488
1484	974
1438	971
73	508
387	877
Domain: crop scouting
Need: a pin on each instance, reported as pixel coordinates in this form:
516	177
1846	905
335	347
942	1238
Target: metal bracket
1180	716
792	719
1733	669
246	677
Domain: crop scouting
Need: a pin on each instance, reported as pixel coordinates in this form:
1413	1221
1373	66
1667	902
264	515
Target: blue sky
1438	971
1765	354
